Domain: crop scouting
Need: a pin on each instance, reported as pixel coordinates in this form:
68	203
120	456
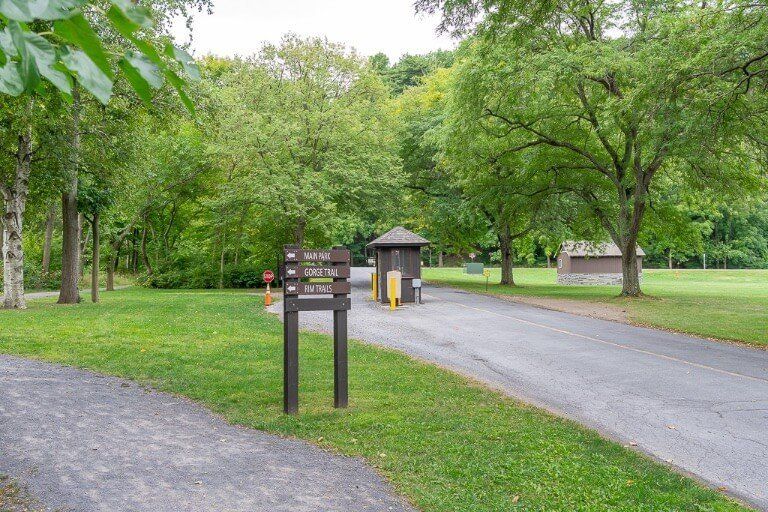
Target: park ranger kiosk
398	250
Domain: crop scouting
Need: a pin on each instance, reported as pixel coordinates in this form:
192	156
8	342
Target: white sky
238	27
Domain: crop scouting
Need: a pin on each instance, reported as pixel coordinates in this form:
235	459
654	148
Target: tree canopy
640	123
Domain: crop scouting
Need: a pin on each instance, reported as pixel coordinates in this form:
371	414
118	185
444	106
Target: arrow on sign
291	255
292	289
291	271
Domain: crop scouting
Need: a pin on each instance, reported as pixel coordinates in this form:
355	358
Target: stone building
588	263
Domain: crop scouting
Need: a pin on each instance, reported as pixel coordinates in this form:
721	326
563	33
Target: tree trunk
298	234
15	198
440	259
671	264
114	261
222	262
240	232
630	276
70	247
505	246
50	219
82	227
144	257
549	259
95	264
111	273
135	252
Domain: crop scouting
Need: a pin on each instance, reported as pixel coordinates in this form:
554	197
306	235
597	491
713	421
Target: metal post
340	363
290	352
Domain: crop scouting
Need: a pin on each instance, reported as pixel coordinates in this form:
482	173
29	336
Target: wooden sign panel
336	304
296	272
339	288
317	256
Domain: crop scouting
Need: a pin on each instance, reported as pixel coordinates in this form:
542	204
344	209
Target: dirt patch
599	310
14	498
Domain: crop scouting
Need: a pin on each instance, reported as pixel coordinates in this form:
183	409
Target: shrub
35	279
243	275
191	274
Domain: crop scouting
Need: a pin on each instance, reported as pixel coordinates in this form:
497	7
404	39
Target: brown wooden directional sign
339	288
317	256
336	267
297	272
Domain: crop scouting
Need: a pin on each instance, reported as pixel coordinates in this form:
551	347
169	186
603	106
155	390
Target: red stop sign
268	276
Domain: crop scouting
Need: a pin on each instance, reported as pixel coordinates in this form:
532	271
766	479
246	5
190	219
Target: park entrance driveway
698	405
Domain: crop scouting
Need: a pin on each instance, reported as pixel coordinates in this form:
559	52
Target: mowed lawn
724	304
444	442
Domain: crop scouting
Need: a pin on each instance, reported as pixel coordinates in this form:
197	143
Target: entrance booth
398	250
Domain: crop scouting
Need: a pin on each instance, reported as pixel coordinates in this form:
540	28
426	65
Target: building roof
585	249
399	236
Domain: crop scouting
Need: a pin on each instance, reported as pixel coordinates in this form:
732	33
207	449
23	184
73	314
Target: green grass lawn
445	443
724	304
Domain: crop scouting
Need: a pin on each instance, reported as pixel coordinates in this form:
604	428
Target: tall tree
308	136
607	95
15	189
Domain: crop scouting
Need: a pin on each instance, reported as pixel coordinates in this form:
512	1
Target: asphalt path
83	442
697	405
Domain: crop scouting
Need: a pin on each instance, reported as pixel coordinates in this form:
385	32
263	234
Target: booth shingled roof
399	236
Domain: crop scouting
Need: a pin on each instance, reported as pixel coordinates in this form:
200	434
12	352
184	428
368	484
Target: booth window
397	261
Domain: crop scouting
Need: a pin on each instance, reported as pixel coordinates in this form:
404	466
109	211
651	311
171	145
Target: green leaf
88	74
78	31
178	84
122	23
148	50
3	58
139	84
138	15
45	57
149	70
10	79
31	10
20	10
185	59
6	43
59	76
27	68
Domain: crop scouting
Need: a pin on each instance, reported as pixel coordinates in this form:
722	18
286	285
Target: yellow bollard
268	297
374	286
392	294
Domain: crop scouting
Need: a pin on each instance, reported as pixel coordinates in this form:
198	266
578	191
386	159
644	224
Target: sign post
337	268
268	276
340	366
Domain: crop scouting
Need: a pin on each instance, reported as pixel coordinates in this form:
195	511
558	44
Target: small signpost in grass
337	268
268	276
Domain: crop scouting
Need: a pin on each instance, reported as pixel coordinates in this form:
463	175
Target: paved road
698	405
86	443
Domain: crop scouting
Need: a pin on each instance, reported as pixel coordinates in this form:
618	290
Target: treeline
640	124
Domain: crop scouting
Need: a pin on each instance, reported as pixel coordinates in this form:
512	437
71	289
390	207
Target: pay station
398	265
